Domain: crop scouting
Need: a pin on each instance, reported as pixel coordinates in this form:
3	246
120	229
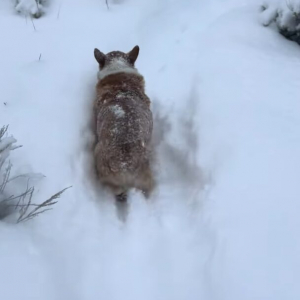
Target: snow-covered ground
224	221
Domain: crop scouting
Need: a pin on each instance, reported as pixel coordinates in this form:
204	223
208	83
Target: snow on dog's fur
123	124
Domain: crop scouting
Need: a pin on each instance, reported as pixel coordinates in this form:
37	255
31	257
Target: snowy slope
223	223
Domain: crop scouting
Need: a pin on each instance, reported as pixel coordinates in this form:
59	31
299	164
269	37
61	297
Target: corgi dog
124	125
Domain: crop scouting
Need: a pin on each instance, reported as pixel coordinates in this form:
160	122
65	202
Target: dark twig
5	177
32	23
3	130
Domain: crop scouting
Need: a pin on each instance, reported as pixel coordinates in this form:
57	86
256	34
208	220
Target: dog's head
116	61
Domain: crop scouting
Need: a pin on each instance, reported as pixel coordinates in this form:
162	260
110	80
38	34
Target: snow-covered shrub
7	144
32	8
286	15
22	202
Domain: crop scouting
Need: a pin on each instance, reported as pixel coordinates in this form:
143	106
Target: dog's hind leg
122	206
121	197
145	182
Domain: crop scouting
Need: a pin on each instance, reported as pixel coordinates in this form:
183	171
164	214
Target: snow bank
286	15
30	7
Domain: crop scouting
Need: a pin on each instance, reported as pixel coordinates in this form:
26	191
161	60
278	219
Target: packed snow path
224	222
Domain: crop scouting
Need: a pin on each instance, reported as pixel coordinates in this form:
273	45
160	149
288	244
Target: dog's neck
116	66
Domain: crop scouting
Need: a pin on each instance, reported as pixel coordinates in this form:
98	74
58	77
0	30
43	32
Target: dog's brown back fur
124	130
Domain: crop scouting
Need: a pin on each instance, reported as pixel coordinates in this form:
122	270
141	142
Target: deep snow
224	221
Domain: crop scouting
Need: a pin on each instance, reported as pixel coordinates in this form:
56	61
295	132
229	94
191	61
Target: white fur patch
116	66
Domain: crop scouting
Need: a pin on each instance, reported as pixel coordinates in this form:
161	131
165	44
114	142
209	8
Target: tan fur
124	130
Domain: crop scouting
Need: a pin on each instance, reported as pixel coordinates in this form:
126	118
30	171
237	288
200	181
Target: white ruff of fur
116	66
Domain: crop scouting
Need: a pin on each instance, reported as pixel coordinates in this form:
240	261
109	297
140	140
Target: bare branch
3	130
27	175
5	177
39	208
32	23
24	209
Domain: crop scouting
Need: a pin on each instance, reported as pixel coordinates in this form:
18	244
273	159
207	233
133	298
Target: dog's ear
133	54
100	57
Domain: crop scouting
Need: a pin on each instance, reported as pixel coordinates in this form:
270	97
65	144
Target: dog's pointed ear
133	54
100	57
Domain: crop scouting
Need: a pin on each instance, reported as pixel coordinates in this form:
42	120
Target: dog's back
124	130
